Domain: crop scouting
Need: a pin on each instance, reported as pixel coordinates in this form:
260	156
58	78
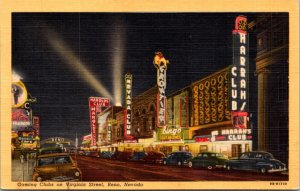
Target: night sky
196	44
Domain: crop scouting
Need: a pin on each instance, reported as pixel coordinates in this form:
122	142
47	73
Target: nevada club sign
127	111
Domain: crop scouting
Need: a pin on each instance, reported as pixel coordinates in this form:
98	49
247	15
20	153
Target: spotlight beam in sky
74	62
118	53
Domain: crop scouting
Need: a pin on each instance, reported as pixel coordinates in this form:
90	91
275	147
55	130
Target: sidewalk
19	171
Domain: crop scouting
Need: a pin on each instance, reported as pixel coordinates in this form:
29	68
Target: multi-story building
272	61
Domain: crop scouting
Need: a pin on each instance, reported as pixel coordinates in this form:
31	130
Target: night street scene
150	97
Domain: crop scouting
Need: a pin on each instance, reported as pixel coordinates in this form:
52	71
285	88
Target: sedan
154	157
256	161
177	158
208	160
56	167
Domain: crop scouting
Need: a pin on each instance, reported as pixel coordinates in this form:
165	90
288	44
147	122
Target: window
63	160
46	161
244	156
204	155
258	156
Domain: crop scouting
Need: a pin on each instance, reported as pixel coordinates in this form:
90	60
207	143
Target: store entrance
236	149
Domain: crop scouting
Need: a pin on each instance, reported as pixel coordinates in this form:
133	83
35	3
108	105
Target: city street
96	169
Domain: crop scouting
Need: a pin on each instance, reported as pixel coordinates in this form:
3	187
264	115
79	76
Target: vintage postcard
137	95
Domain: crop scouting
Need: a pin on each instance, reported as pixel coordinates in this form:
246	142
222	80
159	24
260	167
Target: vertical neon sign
160	64
239	69
239	74
95	104
127	112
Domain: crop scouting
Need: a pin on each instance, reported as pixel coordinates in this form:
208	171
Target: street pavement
97	169
22	172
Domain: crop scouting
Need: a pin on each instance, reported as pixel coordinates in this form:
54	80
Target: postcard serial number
278	183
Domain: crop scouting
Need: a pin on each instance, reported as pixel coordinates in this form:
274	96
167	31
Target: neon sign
95	104
127	113
161	65
239	69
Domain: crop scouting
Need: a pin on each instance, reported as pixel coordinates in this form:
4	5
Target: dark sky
196	44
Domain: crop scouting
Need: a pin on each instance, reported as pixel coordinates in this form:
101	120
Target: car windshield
244	156
54	160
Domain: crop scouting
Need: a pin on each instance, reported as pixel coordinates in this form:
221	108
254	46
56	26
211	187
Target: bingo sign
160	64
239	69
127	112
95	105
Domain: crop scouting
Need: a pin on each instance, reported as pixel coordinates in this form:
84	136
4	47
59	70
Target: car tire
209	167
179	163
228	167
263	170
190	164
165	162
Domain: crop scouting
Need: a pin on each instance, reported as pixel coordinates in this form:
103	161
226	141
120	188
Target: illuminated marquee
95	105
161	65
87	137
231	135
127	112
239	69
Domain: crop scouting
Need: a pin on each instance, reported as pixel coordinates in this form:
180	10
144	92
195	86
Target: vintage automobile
154	157
209	160
137	156
106	154
177	158
49	150
256	161
122	155
56	167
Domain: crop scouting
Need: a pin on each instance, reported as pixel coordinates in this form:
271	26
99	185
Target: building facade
272	70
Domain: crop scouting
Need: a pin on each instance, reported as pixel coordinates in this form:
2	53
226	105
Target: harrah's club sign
161	65
95	104
127	111
239	69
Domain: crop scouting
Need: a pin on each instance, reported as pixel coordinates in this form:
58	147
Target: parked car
137	156
49	150
208	160
154	157
81	152
177	158
56	167
106	154
124	155
93	154
256	161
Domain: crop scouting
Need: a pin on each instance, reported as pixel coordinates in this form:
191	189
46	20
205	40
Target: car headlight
77	173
